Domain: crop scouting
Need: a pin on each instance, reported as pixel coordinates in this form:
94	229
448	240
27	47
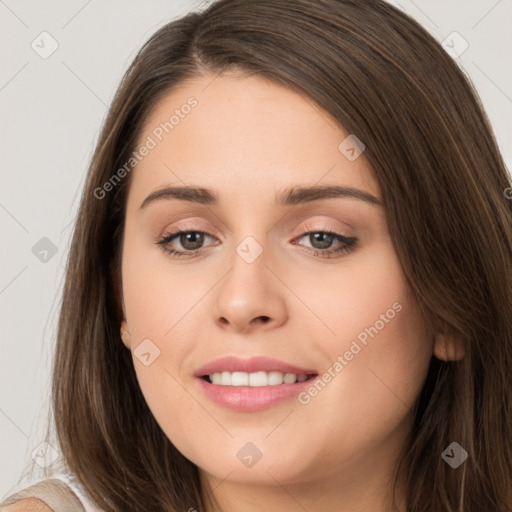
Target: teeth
239	379
256	379
274	378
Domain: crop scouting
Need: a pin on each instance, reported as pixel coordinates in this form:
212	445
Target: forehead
243	135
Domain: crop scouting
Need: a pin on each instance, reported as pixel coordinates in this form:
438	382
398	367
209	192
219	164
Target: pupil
192	241
325	240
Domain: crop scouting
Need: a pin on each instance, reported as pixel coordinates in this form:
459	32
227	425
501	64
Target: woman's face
267	280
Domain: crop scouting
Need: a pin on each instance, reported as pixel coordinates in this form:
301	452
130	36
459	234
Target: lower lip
248	398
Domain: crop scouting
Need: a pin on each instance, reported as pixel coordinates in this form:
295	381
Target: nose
250	297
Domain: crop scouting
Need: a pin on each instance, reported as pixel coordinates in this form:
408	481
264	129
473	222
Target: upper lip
251	365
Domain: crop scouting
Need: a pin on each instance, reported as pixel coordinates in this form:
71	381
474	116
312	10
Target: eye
322	240
191	241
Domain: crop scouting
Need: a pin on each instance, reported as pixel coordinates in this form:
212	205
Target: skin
249	139
28	504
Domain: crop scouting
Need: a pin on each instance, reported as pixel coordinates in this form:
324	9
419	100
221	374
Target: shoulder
49	495
27	505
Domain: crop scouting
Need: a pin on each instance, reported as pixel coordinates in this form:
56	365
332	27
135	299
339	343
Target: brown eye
321	241
190	241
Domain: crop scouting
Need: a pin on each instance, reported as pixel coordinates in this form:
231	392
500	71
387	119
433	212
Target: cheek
162	306
378	351
158	297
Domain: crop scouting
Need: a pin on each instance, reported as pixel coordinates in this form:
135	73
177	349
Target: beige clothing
61	493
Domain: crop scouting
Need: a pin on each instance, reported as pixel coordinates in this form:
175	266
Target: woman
297	216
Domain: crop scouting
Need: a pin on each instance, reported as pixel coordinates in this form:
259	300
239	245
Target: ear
118	298
125	334
448	347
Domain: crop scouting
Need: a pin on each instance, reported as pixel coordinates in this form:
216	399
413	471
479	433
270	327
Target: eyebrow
289	197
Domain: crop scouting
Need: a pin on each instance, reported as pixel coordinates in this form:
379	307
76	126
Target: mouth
251	384
256	379
258	395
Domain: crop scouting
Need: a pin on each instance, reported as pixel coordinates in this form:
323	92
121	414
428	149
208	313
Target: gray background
51	112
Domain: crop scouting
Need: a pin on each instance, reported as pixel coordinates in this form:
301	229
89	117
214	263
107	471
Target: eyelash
350	243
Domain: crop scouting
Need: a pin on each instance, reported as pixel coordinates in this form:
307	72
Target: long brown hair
442	177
